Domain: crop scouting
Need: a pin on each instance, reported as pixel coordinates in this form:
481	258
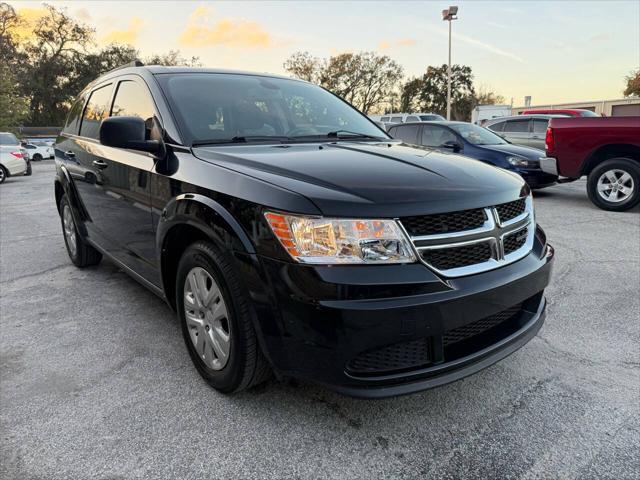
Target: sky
555	51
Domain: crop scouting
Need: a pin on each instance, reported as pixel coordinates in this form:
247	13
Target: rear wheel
37	157
3	174
81	253
615	184
216	320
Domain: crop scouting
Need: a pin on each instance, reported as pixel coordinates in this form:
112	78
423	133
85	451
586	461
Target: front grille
456	257
515	241
444	222
399	356
507	211
479	326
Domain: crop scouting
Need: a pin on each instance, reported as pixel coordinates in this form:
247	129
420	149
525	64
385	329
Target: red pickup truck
606	149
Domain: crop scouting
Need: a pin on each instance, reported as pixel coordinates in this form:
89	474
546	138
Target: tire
83	255
228	312
37	157
624	175
3	174
29	171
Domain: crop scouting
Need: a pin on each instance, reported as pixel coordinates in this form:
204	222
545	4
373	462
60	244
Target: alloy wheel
615	185
207	318
69	230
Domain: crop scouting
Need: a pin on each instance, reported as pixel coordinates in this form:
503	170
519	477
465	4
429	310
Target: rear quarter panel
577	138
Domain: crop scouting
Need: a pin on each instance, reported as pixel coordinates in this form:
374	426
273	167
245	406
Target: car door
539	133
518	131
117	188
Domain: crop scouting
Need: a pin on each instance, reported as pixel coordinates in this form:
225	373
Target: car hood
371	179
529	153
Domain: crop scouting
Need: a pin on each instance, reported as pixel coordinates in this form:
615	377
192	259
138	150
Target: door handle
100	164
536	137
70	154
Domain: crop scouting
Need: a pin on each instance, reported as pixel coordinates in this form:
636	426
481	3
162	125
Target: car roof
525	117
160	70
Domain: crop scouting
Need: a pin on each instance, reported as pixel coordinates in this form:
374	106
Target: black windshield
223	108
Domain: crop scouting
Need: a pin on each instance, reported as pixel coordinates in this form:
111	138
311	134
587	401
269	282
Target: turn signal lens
334	240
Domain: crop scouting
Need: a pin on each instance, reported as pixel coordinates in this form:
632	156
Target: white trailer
487	112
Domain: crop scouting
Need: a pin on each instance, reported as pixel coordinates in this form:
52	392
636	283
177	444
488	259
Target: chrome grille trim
493	232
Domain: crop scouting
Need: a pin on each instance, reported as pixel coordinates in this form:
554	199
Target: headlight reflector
520	162
334	240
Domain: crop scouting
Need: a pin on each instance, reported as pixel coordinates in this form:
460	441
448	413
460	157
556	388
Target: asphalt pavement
95	381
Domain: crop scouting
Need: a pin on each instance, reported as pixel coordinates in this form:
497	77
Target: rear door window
97	109
517	126
384	119
407	133
497	127
413	119
540	125
75	114
396	119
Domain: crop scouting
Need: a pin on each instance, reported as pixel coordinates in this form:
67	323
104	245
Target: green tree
13	107
429	92
633	84
363	79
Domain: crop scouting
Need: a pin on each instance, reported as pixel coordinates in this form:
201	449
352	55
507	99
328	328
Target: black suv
290	233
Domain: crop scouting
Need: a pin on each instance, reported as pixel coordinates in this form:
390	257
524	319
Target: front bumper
322	318
538	178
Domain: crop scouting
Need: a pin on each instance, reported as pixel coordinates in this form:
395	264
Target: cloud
403	42
600	38
130	35
82	14
477	43
203	31
29	19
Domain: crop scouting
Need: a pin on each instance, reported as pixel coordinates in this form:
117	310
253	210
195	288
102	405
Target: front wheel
216	320
615	184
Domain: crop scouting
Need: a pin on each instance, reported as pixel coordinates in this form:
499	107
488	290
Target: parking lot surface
96	382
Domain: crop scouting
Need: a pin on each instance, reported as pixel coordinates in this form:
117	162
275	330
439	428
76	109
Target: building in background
623	107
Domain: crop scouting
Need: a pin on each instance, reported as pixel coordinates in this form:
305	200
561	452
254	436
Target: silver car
13	160
527	130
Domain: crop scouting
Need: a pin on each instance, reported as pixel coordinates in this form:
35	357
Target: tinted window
133	100
384	119
222	106
429	118
497	127
540	126
476	135
517	126
406	133
396	120
589	114
413	119
96	110
8	139
436	136
73	119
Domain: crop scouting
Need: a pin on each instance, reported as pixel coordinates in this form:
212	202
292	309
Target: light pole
448	15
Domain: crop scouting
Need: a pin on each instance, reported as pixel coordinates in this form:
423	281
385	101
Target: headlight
335	240
520	162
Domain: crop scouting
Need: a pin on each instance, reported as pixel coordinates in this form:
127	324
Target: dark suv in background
290	233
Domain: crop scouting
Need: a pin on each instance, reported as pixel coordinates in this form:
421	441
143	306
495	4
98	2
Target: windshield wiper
242	139
339	135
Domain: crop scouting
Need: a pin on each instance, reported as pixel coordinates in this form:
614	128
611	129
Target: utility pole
449	15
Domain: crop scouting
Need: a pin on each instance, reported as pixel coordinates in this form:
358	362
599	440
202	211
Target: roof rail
135	63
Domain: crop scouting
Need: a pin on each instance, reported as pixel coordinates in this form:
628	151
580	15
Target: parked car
407	117
37	151
13	161
296	235
479	143
528	131
605	149
564	112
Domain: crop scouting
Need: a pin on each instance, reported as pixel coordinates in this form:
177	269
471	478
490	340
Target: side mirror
452	145
127	132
